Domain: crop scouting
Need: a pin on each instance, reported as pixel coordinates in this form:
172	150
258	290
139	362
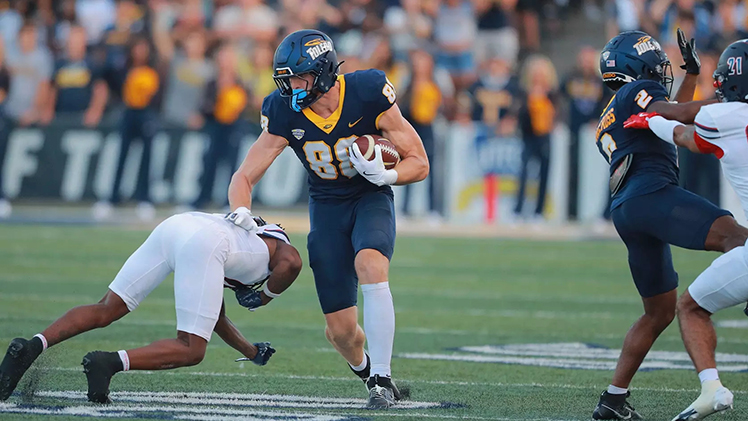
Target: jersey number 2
643	99
319	156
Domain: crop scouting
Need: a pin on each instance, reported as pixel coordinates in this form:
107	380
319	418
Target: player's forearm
285	266
687	89
234	338
684	113
412	169
683	136
240	192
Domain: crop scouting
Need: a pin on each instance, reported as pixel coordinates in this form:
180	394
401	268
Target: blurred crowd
207	65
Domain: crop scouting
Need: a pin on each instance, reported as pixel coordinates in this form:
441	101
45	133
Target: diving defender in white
718	129
206	252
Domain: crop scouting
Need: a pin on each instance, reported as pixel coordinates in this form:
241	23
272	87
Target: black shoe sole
13	367
98	377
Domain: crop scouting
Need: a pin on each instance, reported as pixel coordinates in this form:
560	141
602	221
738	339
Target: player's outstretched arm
232	336
684	136
414	163
669	131
684	113
262	153
686	109
692	66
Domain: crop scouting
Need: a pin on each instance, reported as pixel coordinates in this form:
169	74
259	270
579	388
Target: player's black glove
264	352
248	297
692	64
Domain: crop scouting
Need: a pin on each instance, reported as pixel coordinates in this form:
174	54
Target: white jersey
721	130
206	253
247	260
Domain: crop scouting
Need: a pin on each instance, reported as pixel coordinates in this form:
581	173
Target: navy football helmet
306	51
634	55
729	78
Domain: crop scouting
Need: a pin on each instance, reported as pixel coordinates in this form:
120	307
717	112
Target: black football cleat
19	357
382	392
363	374
615	407
99	367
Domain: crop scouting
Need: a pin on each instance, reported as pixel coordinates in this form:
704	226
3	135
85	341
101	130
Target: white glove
242	217
372	170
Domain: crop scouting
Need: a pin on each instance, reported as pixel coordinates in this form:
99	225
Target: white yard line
180	412
237	400
411	381
220	414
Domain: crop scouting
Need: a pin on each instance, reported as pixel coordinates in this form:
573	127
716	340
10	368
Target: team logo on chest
298	133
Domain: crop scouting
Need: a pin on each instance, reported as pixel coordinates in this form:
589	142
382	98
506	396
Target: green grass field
449	293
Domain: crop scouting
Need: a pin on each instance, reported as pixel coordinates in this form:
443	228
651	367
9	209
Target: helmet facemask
665	72
300	98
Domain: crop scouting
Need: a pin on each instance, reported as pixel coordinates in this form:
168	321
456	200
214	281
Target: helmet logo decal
318	49
646	43
316	41
610	63
606	54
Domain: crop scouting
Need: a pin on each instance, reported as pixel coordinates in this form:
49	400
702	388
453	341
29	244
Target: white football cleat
714	398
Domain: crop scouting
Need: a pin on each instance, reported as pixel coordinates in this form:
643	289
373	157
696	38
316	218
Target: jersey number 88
319	156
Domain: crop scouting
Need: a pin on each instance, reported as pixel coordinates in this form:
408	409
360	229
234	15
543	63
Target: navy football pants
339	230
648	224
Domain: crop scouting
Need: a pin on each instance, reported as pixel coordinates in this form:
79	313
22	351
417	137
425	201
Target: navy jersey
321	143
655	163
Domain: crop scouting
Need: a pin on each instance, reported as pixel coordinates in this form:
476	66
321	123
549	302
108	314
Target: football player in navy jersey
649	210
319	114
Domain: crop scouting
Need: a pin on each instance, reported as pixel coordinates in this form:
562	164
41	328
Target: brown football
389	152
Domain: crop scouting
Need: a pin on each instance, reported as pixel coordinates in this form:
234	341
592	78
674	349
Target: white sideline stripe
559	362
237	399
735	324
581	350
219	414
128	411
437	382
512	298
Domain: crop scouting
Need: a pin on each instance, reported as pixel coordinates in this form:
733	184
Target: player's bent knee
194	358
193	349
371	266
725	234
342	326
686	304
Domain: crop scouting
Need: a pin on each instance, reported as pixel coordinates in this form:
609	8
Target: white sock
43	339
708	374
362	365
125	360
615	390
379	326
